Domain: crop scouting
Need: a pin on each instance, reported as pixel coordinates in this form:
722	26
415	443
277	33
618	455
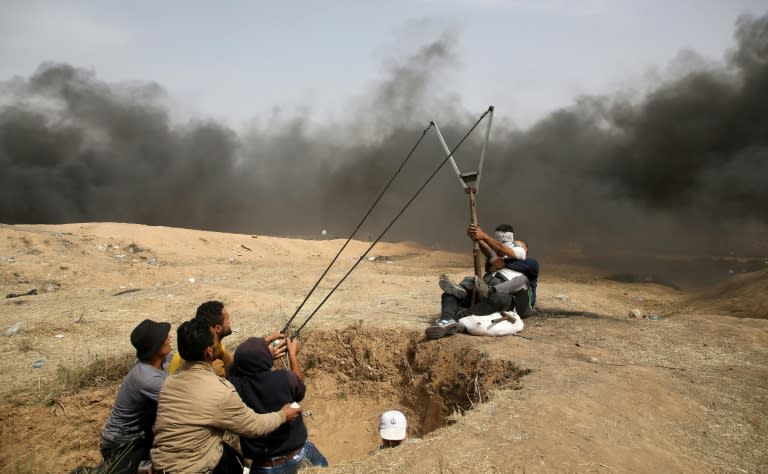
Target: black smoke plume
682	169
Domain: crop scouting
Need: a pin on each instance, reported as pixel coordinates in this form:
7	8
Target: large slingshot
470	182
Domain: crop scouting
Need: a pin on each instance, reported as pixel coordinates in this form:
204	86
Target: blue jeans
309	455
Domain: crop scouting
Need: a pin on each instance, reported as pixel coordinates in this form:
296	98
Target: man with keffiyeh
509	282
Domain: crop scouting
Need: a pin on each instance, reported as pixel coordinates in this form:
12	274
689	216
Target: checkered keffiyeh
504	236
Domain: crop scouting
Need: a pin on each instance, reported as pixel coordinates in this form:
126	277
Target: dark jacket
530	268
265	391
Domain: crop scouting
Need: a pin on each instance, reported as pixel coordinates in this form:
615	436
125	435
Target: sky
619	127
238	60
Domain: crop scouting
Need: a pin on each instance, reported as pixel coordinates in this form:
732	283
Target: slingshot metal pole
485	146
450	156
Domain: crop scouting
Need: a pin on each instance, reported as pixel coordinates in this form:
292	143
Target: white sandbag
484	325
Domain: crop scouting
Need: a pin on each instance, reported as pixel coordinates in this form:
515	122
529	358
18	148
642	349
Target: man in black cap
127	436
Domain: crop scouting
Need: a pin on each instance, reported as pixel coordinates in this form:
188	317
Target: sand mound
742	296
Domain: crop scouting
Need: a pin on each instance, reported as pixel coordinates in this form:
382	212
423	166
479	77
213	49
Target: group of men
173	409
509	282
171	412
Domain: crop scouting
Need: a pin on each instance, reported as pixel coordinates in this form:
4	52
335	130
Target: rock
592	360
562	297
635	313
12	330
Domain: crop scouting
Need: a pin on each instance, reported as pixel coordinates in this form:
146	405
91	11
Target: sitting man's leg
493	304
454	297
447	324
461	290
125	458
517	286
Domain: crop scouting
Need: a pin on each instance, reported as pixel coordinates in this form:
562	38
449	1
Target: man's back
185	439
195	407
134	410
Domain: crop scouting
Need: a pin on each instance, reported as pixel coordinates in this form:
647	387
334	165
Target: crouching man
127	435
196	407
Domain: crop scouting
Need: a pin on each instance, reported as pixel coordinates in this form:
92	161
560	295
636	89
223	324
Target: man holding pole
498	291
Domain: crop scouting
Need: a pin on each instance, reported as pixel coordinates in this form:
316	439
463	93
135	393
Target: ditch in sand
355	374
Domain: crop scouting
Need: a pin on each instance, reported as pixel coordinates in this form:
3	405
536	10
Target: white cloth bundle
484	325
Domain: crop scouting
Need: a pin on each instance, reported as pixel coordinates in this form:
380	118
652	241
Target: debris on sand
38	363
133	248
33	291
635	313
129	290
12	330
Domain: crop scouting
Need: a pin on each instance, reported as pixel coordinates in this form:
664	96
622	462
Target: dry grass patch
98	372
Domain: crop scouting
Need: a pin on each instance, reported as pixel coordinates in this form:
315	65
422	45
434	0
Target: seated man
127	435
503	275
196	407
501	251
264	390
517	272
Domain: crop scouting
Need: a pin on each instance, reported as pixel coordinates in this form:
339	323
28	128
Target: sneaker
442	328
452	288
483	289
523	303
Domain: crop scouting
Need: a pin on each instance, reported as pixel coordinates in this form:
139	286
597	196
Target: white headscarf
504	237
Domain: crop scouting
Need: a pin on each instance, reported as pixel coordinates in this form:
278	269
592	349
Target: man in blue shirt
127	435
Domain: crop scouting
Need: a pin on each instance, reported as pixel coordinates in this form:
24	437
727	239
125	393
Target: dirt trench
355	374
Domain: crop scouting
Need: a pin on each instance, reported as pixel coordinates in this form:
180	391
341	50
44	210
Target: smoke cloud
683	168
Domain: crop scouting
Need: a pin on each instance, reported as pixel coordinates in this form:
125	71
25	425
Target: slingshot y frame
470	182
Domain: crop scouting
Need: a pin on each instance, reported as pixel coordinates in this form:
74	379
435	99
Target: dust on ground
682	388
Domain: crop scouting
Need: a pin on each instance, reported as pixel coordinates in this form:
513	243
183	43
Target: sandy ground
592	390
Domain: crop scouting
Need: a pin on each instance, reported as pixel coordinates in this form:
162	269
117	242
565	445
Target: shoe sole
453	289
436	332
